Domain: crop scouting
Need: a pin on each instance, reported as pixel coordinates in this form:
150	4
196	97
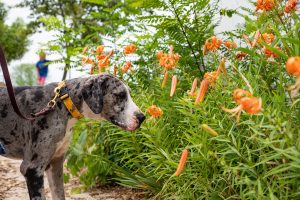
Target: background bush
257	158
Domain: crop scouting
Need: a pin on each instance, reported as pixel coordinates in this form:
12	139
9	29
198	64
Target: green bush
257	158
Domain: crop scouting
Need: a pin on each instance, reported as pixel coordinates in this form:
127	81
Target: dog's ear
93	95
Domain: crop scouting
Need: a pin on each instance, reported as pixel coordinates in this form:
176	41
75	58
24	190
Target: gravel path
13	186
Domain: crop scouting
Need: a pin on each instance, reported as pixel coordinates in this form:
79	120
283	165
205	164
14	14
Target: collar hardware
62	92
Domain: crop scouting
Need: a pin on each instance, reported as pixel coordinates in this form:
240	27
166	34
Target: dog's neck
75	87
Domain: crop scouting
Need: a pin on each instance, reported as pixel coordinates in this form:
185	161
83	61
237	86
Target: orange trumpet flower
202	91
104	60
245	100
129	49
212	44
174	84
99	49
270	53
211	77
168	61
251	105
222	67
230	44
194	85
238	94
182	162
154	111
160	54
86	60
166	76
115	70
246	38
256	37
267	38
290	5
265	5
127	66
293	67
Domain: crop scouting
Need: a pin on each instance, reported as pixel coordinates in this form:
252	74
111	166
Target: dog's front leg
34	176
56	178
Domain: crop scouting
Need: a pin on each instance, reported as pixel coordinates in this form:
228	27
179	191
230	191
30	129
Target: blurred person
42	68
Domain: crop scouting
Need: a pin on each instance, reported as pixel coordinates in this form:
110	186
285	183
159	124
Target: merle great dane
42	144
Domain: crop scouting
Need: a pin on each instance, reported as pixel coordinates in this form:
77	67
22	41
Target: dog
42	144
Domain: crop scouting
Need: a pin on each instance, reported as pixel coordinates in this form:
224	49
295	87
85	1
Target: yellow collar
64	96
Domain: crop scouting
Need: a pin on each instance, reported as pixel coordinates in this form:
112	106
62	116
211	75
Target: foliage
257	158
25	74
78	23
14	38
184	24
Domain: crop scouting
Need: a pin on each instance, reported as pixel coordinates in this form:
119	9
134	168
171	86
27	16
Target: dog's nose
141	117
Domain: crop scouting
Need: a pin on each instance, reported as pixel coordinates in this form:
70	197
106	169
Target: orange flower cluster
290	5
127	66
129	49
267	38
168	60
265	5
259	38
212	44
269	53
102	59
293	68
154	111
209	78
230	44
246	101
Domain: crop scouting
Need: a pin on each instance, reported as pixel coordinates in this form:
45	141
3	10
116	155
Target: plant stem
201	68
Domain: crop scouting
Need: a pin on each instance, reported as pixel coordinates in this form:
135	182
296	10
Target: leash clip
57	90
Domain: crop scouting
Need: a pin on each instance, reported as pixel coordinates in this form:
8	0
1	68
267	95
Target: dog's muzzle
136	121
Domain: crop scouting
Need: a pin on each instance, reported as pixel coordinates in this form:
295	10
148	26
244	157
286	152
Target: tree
14	38
25	74
78	23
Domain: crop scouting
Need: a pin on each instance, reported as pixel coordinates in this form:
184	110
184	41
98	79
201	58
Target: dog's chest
62	146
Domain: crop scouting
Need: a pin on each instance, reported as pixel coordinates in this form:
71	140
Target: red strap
9	86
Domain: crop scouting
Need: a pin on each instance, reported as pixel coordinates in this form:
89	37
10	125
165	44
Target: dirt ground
13	187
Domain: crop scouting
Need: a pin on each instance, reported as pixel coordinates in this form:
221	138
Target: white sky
55	71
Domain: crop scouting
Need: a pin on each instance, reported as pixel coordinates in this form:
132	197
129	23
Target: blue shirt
42	66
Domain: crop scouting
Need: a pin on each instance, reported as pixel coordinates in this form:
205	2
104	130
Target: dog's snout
141	117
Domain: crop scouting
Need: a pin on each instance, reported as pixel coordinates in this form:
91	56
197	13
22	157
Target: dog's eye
121	95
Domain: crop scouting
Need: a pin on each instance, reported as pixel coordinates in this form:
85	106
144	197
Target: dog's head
107	97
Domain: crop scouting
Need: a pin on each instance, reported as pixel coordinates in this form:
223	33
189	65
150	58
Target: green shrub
257	158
